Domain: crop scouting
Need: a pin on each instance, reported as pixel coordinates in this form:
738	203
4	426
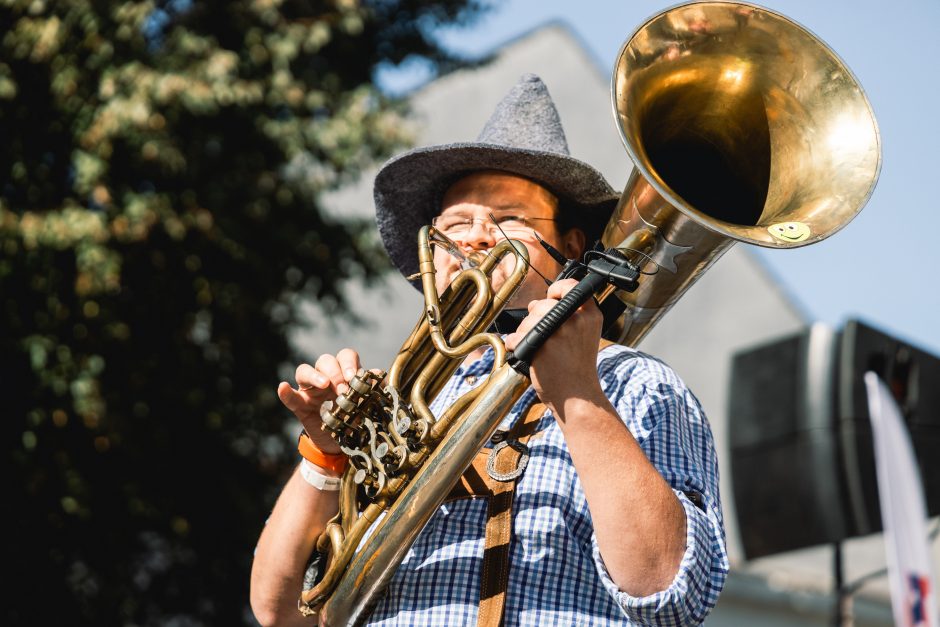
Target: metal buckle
520	464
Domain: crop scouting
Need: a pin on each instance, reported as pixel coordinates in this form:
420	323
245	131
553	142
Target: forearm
286	542
639	522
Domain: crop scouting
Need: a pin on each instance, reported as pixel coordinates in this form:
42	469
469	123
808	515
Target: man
616	519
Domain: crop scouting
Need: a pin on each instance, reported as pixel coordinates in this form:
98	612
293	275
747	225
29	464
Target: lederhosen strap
507	457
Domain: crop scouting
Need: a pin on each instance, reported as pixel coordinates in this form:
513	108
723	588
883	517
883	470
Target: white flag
903	512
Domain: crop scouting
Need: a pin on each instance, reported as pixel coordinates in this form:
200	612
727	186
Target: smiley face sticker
789	231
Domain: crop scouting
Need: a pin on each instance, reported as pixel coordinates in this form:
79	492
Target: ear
573	242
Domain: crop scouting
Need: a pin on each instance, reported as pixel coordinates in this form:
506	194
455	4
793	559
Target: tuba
742	125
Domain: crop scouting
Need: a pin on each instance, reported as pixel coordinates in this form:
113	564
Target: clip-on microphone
598	269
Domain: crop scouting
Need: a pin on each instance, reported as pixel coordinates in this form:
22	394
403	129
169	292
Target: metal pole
843	616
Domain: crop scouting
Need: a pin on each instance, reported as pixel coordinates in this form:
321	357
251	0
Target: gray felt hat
524	137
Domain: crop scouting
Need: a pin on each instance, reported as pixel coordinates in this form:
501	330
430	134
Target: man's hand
566	365
315	385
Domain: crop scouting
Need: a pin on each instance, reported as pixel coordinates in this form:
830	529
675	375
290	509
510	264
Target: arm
286	542
648	535
668	424
638	520
301	511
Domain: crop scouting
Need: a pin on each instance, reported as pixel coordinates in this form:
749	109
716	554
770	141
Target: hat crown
526	118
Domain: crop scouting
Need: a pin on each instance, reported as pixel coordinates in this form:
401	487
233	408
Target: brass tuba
743	126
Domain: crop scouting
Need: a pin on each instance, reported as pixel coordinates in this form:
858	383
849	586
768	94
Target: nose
479	236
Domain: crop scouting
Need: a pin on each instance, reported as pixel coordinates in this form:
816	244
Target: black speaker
802	460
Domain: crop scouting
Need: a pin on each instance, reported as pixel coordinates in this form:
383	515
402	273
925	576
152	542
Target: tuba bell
742	126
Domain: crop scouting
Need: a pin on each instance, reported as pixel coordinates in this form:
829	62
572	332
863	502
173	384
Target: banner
903	512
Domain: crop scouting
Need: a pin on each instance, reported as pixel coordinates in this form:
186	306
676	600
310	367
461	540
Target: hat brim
409	188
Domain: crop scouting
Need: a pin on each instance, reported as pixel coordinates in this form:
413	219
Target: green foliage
159	182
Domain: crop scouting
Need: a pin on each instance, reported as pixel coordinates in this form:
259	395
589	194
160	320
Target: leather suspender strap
494	578
476	482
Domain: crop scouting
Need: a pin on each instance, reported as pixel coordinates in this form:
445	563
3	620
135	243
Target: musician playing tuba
596	502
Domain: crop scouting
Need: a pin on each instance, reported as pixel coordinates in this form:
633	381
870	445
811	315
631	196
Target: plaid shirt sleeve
670	426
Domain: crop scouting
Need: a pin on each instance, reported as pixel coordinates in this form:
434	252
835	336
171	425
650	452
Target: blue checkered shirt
556	574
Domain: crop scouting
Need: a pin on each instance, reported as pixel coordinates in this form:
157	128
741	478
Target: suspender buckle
521	462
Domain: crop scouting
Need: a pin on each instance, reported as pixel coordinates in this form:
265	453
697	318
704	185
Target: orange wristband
310	452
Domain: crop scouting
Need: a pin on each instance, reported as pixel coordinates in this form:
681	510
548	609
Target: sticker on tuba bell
789	231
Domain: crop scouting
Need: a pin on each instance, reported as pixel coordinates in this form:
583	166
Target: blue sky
882	267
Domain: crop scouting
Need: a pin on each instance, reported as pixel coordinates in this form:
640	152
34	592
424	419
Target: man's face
476	196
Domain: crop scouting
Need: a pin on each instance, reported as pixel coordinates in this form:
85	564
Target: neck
472	357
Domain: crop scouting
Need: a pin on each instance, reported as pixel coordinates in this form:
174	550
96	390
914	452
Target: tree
159	184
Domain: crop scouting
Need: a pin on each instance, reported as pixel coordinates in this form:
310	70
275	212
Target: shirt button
471	379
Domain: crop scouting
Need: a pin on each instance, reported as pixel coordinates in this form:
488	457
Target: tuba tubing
742	126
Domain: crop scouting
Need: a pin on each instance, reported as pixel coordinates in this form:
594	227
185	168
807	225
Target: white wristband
312	475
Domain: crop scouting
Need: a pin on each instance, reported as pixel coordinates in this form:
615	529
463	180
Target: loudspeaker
802	460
